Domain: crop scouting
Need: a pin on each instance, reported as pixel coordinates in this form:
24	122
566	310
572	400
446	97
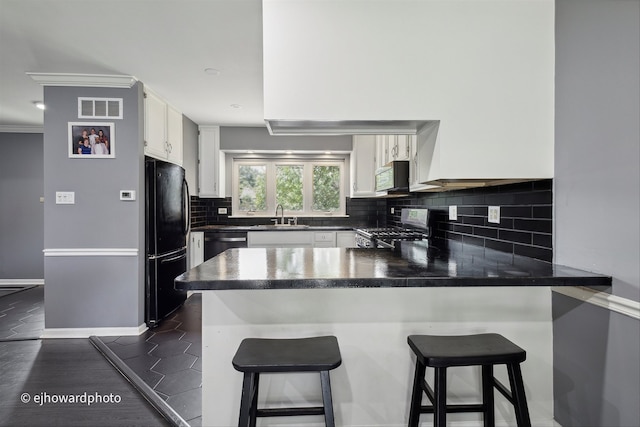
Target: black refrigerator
167	226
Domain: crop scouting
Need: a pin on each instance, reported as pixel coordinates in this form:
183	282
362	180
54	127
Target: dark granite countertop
223	228
413	264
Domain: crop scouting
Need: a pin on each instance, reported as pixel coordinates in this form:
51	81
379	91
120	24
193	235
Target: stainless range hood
344	127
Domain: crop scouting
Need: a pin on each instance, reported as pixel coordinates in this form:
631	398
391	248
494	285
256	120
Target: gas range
415	227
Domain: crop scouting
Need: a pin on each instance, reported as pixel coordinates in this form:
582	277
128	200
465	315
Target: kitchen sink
280	227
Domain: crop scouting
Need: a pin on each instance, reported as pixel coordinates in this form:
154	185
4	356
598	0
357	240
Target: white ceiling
166	44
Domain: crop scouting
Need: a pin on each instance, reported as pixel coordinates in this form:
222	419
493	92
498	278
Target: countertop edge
599	283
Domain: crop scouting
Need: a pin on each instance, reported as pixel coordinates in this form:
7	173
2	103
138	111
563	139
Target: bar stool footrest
472	407
286	412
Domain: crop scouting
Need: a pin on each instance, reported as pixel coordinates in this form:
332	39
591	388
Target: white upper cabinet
174	135
211	163
162	129
392	147
467	64
363	160
400	147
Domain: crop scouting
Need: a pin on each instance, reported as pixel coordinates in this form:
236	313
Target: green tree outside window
252	187
326	188
289	190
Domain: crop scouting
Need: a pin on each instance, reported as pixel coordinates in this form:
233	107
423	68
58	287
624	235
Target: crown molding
84	80
21	129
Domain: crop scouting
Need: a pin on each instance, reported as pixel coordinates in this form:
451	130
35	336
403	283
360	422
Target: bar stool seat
486	350
265	355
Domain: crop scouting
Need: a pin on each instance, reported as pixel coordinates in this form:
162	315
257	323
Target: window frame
271	163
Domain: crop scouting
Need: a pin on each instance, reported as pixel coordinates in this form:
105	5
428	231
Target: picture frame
99	137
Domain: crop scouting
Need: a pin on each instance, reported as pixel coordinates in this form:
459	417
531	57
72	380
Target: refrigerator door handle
187	205
166	254
175	258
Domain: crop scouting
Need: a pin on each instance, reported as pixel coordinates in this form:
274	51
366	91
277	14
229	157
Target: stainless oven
415	226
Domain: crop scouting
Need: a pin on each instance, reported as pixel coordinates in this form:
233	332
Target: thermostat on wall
127	195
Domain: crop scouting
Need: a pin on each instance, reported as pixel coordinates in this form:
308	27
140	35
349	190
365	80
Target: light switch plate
494	214
65	197
453	213
222	211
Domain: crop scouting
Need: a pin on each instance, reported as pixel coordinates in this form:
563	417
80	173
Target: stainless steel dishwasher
216	242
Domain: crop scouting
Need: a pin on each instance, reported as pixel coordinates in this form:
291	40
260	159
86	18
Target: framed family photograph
91	140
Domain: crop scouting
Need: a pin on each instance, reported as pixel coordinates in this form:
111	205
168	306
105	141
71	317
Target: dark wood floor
29	368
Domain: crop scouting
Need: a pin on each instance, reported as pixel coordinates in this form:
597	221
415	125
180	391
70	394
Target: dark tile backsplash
362	213
525	217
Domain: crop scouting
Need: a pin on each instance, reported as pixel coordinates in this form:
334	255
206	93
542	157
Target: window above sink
304	186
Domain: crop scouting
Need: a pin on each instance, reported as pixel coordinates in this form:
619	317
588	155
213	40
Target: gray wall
21	212
247	138
94	291
597	206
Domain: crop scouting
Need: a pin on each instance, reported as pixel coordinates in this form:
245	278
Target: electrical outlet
222	211
128	195
453	213
392	211
494	214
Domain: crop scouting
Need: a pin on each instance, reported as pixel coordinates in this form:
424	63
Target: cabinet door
382	150
196	248
280	239
363	159
402	147
324	239
174	135
346	239
155	125
211	170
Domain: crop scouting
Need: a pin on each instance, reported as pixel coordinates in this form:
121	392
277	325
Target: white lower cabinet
346	239
324	239
196	248
301	239
280	239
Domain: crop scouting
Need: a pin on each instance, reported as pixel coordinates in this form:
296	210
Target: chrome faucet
281	213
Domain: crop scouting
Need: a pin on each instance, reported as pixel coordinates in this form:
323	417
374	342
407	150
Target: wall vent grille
100	108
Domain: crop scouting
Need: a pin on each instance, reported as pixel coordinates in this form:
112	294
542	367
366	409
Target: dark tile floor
33	369
21	312
167	358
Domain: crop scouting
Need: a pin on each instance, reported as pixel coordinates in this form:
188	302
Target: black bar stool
486	350
258	355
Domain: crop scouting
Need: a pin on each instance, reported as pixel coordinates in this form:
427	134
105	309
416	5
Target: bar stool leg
440	406
248	391
519	398
325	382
254	401
416	395
487	396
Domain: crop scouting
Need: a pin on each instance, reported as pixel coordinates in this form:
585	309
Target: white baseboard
21	282
88	332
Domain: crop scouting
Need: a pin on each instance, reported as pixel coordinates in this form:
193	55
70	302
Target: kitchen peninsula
371	299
